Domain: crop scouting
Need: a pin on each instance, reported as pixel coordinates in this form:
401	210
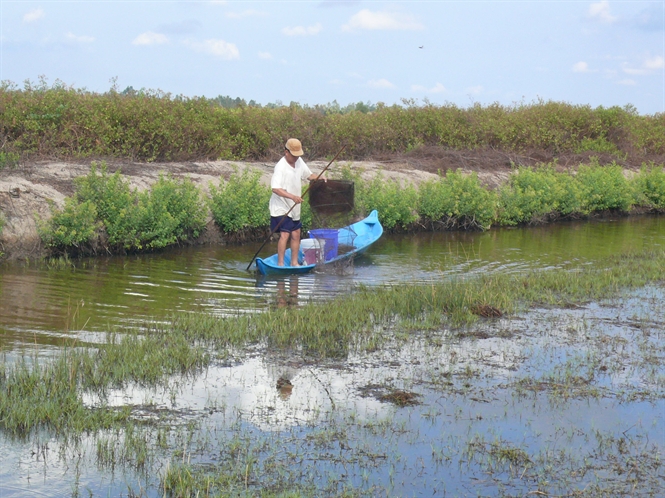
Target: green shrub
458	201
8	160
395	203
604	187
531	195
650	186
169	212
116	205
240	203
74	227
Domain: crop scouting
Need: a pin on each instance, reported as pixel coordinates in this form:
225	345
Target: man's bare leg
295	247
281	247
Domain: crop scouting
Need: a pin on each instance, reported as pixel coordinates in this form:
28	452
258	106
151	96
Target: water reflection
287	299
50	306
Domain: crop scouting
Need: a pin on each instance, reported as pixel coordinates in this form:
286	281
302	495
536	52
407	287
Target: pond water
48	306
551	402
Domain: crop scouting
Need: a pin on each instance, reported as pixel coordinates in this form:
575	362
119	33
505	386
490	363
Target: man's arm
283	193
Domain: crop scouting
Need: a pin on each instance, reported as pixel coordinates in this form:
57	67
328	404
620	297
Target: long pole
287	213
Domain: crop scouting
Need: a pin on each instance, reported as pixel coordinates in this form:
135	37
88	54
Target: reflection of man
285	300
286	197
284	386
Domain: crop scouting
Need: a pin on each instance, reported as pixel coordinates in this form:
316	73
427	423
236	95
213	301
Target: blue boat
358	236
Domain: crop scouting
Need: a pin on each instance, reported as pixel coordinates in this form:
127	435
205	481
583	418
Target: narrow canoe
358	236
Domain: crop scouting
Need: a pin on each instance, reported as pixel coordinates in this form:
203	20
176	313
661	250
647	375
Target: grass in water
34	395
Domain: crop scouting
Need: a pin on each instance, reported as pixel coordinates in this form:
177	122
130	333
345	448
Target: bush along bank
57	121
106	215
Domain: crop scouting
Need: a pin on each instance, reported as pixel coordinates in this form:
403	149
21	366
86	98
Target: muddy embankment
27	192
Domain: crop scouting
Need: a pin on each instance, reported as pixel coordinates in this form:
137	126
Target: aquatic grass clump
335	327
48	395
35	396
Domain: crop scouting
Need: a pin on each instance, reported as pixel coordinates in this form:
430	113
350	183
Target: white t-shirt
290	179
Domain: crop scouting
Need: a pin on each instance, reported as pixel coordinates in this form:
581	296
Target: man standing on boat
286	198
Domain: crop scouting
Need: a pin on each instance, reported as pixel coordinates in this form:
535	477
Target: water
48	307
500	391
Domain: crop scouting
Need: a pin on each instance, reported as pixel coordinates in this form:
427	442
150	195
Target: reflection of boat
357	237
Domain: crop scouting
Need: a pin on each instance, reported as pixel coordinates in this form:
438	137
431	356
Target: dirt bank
27	192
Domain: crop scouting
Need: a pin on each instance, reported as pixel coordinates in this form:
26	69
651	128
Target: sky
601	53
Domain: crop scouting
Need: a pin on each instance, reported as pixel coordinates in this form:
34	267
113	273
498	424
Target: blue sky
313	52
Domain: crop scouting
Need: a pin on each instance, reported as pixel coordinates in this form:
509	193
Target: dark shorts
288	225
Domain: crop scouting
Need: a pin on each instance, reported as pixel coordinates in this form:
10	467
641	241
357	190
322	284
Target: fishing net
332	197
332	205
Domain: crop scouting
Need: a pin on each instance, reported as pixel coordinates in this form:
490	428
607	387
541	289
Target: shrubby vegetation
106	213
60	121
650	187
394	202
240	203
9	160
457	201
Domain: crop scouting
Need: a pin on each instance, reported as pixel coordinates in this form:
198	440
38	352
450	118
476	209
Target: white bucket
313	250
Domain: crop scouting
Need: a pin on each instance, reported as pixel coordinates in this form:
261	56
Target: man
286	186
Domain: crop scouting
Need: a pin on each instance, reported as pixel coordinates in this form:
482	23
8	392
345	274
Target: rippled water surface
551	402
47	306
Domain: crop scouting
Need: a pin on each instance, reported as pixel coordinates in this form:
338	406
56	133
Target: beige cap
294	146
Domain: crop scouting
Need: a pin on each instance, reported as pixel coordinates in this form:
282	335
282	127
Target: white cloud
246	13
649	65
366	19
302	31
657	62
601	12
634	71
71	37
627	82
381	83
581	67
438	88
218	48
33	15
181	27
475	90
150	38
265	55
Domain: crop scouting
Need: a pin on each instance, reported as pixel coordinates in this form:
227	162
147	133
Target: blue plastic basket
329	235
